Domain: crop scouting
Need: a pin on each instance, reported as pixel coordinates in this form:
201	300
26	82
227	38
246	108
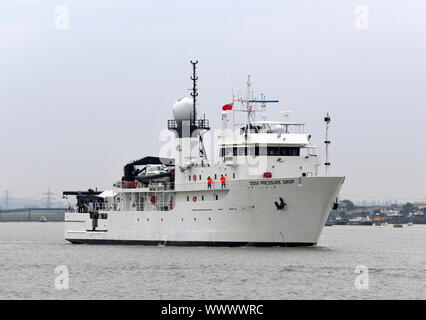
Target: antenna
263	107
194	93
48	198
327	120
248	101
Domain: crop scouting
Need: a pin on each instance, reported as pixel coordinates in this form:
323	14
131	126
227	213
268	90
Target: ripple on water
395	260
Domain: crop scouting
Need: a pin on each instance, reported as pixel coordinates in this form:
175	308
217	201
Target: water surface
396	259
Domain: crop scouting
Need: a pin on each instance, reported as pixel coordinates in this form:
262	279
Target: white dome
277	128
183	109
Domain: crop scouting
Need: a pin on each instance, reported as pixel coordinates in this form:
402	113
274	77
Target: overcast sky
77	104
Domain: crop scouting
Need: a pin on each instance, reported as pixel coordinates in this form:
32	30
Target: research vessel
264	186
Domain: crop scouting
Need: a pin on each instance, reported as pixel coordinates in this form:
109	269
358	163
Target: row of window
260	151
195	199
195	219
215	177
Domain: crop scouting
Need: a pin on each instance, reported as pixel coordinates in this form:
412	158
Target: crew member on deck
209	182
223	181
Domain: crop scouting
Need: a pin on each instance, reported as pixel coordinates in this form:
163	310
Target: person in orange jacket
209	182
223	181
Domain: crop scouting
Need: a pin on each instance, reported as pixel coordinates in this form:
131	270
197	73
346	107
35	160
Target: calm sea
395	258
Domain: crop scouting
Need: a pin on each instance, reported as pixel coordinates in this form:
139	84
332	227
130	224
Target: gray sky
77	104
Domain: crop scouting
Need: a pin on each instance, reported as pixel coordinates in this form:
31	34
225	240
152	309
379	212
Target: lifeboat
129	184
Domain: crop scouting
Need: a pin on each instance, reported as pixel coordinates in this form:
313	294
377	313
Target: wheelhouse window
284	151
234	151
242	151
260	150
251	150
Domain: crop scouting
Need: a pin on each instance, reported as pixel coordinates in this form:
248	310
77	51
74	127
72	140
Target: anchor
282	205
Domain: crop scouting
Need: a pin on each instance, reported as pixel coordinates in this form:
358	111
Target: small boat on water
340	222
360	221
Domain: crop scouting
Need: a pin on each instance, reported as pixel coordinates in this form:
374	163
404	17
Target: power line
7	195
48	198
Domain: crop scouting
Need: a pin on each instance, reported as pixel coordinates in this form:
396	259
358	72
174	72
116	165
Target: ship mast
248	101
194	92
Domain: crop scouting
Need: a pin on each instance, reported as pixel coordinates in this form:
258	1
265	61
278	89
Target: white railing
310	151
161	186
137	206
201	186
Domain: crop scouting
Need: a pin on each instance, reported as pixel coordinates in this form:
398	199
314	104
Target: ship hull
190	243
245	215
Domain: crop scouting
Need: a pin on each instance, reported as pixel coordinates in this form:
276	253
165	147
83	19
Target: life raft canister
194	177
130	184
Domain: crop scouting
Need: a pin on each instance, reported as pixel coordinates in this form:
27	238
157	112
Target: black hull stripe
191	243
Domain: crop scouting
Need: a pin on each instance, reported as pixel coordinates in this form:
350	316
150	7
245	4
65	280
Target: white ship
273	195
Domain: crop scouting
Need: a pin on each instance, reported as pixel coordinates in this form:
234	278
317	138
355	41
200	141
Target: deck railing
137	206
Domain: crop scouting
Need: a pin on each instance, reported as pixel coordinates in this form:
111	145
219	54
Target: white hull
247	215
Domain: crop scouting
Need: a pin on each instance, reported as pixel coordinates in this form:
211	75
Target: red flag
227	107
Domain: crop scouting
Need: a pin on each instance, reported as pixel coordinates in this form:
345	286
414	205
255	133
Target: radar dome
183	109
277	129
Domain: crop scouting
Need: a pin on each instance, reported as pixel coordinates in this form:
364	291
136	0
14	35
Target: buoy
194	177
153	199
194	199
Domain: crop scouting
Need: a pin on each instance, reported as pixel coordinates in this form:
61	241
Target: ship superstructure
264	188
